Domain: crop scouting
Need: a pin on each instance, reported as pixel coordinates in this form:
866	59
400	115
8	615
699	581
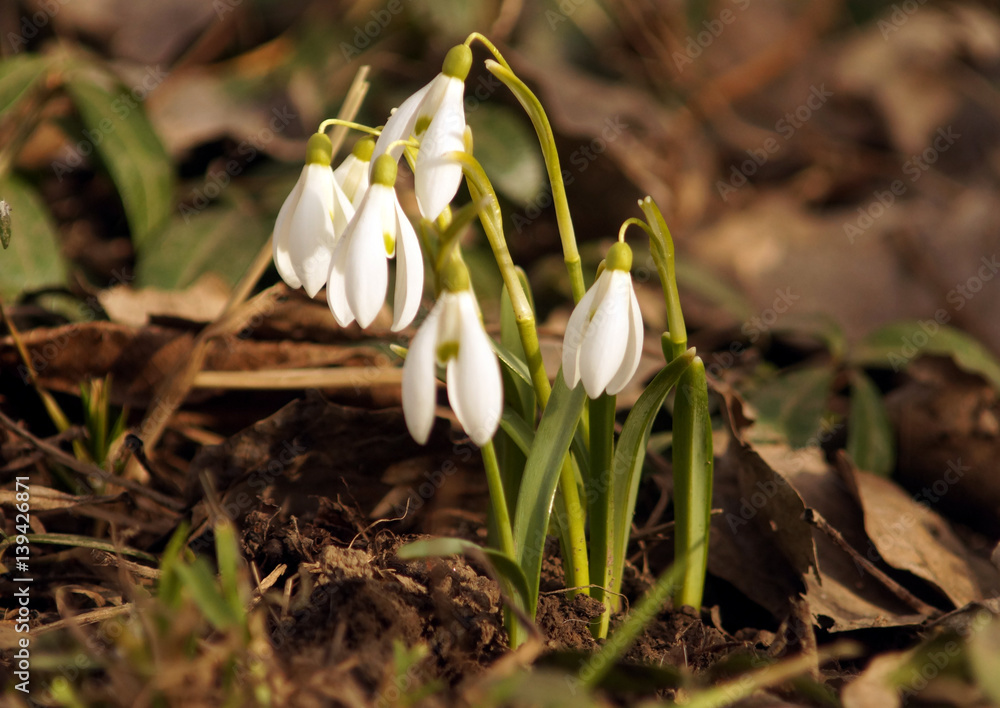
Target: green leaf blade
541	476
630	454
869	434
32	260
896	345
128	146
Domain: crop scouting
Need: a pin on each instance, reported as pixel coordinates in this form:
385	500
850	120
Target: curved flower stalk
359	272
435	115
314	214
352	174
453	336
604	336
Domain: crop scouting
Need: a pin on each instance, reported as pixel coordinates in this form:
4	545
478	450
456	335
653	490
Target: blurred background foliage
151	145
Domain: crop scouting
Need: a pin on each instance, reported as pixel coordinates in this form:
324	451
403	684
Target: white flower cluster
339	228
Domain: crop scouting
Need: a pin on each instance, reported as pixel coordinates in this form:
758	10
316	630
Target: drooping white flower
309	222
604	335
352	174
435	115
359	272
453	336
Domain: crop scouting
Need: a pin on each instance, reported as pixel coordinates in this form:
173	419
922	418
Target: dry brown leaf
48	499
139	358
203	301
908	535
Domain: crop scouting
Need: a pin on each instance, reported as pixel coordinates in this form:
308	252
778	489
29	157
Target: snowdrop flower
308	223
436	116
359	272
453	336
604	335
352	175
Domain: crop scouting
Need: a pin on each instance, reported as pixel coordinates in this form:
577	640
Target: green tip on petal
384	171
319	150
619	257
457	62
363	149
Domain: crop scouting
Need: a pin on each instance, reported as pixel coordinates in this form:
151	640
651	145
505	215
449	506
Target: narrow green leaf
623	637
794	403
869	434
512	362
505	566
169	583
693	465
510	338
33	260
199	580
227	554
630	454
517	428
119	131
541	476
221	241
17	77
896	345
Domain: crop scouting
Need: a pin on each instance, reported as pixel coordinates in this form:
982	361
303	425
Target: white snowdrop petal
576	328
475	387
282	259
604	343
419	380
437	177
343	211
399	126
409	272
367	276
633	350
311	237
336	286
352	178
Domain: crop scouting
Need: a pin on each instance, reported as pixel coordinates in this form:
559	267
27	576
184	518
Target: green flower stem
490	46
662	249
481	190
348	124
498	499
692	460
599	501
505	536
577	564
533	107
